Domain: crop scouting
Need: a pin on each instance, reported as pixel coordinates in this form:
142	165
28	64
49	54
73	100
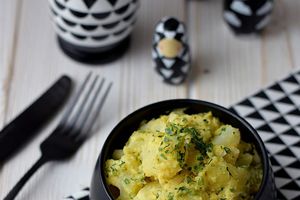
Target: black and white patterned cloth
275	113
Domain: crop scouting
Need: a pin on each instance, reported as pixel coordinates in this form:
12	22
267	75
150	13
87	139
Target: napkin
275	113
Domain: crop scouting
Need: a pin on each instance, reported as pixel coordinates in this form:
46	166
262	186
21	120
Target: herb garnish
227	150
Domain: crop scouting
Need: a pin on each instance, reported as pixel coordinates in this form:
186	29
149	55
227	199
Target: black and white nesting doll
170	50
248	16
94	31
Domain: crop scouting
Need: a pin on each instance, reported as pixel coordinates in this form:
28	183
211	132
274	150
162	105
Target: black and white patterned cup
248	16
94	31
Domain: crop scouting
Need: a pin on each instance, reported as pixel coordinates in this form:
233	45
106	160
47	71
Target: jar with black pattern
94	31
247	16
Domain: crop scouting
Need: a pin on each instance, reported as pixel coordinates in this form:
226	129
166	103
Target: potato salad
185	157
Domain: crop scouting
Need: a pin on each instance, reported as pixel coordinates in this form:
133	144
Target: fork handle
16	189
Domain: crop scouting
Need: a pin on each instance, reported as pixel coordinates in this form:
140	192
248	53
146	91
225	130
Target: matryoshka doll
248	16
170	50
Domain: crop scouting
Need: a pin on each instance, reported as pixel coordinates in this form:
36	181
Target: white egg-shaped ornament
170	51
94	31
248	16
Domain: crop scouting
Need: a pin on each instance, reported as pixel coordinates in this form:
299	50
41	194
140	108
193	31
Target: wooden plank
226	68
289	23
39	62
277	55
8	25
143	85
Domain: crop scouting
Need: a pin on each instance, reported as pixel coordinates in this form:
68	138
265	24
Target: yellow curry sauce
180	156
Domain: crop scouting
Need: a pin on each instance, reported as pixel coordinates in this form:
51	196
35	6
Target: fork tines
85	106
75	125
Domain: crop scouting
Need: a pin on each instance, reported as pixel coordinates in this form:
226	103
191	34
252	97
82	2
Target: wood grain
228	67
225	69
290	24
39	62
276	53
8	25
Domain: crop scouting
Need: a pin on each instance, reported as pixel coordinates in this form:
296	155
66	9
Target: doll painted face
170	51
169	48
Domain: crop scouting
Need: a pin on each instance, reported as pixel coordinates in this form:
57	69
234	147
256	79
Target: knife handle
25	125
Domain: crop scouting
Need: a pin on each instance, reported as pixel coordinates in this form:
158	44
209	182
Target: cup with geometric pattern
94	31
247	16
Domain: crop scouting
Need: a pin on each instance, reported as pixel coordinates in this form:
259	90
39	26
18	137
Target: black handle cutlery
25	126
75	125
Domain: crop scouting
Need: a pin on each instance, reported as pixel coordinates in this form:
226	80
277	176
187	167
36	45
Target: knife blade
15	134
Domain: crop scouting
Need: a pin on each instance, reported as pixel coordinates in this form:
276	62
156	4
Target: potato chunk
227	135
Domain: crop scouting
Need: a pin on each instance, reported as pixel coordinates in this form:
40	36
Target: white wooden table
225	69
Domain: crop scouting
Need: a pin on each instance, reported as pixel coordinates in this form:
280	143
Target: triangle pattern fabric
259	102
282	173
297	92
285	160
292	119
255	115
297	77
271	108
274	94
289	139
289	87
274	113
293	194
275	140
276	87
244	109
279	128
262	95
297	129
297	144
278	105
295	98
286	100
292	79
296	151
282	181
266	135
266	128
284	107
269	115
291	132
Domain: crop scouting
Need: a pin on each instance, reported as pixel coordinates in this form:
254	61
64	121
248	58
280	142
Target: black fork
75	125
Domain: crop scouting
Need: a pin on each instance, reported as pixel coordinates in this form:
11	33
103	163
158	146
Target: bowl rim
264	156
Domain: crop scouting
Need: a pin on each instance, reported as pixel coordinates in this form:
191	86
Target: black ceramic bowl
120	134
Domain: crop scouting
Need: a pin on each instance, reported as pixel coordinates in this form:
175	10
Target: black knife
26	125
